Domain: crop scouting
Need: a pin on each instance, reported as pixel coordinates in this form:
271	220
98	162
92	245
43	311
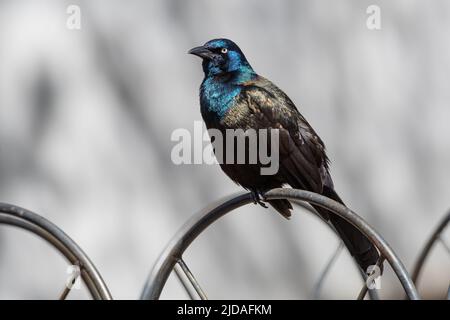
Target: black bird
233	96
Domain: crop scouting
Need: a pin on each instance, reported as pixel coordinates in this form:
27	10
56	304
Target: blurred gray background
86	118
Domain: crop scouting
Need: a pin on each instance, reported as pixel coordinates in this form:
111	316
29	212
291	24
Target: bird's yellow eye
224	50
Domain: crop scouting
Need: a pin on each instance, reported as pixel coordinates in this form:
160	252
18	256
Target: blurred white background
86	117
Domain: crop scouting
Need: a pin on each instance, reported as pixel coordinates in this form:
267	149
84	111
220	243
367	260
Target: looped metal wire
25	219
199	222
172	255
435	237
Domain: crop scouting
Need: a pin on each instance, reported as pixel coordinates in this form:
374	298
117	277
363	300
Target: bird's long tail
359	246
284	207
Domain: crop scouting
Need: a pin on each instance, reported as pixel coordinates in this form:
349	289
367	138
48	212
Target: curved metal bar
26	225
444	244
199	222
345	213
22	218
184	237
373	294
428	246
326	270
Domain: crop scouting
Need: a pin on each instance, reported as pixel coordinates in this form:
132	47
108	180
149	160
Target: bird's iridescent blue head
221	56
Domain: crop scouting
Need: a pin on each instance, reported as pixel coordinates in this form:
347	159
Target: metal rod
192	279
326	270
25	219
24	224
362	293
428	246
183	282
184	237
444	244
345	213
305	205
70	283
65	293
365	288
373	293
198	223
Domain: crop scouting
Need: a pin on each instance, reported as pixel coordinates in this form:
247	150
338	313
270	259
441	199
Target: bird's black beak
202	52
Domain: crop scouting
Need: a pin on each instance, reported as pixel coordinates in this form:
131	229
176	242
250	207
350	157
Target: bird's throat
216	97
217	93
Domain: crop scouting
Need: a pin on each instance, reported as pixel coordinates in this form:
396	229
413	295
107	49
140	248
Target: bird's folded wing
302	154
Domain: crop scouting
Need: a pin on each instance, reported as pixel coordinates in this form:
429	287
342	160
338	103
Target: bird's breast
216	99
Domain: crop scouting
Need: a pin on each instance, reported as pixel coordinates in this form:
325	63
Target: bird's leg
257	199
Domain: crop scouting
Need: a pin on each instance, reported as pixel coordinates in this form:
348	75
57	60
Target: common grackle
233	96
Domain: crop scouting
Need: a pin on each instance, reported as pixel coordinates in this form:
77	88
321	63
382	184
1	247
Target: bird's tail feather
358	244
284	207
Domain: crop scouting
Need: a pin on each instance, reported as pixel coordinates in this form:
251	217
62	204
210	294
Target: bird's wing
303	162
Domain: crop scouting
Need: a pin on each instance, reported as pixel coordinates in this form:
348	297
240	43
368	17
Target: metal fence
171	258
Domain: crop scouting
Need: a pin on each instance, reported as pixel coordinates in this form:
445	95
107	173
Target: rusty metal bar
25	219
